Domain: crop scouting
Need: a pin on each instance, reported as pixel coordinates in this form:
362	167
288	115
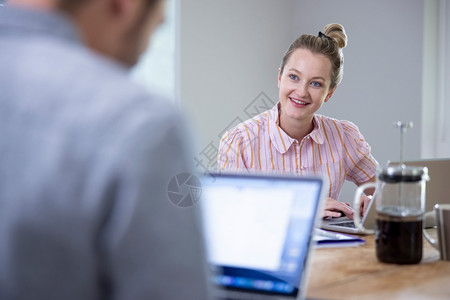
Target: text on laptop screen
257	229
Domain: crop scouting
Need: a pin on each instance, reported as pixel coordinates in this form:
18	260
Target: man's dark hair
71	6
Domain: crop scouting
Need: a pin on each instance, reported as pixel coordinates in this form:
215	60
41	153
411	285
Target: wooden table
355	273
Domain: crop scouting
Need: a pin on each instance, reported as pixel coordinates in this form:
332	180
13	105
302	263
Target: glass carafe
400	203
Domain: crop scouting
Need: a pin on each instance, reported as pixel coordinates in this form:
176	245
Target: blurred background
219	60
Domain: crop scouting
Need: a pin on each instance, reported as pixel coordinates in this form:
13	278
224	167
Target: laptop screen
258	230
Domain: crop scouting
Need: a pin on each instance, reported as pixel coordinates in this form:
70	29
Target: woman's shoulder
250	125
257	120
344	125
344	128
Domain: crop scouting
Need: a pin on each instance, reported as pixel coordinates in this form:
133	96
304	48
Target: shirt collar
281	140
24	21
317	134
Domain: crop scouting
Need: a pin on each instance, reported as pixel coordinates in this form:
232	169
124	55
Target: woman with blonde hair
292	138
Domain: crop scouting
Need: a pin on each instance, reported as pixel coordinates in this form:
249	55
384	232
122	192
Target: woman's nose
302	89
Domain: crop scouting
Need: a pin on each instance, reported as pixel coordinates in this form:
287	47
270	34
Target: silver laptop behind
258	232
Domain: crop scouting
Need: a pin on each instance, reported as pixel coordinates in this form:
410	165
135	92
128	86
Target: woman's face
304	85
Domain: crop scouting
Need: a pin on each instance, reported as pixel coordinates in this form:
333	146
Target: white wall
230	52
156	69
430	78
436	95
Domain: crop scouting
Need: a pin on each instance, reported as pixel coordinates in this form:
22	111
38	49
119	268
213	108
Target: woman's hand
334	209
365	200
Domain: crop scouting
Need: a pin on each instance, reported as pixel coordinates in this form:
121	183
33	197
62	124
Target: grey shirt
85	160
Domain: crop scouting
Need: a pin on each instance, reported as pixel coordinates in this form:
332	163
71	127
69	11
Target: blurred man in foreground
86	157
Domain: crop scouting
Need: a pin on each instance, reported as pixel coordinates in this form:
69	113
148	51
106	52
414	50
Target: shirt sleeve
360	164
231	156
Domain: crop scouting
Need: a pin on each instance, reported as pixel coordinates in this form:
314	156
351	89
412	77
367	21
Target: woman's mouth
297	102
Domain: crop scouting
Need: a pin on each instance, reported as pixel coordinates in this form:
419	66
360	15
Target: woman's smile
297	102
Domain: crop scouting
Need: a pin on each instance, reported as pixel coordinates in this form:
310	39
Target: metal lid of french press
403	173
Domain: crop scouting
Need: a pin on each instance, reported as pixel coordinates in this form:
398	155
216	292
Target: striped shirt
335	149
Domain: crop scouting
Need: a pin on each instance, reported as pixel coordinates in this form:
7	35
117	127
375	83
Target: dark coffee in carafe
400	202
398	239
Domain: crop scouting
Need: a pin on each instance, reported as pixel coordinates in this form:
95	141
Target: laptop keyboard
350	224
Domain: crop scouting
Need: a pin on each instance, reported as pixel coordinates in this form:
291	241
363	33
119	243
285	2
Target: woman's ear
330	93
279	77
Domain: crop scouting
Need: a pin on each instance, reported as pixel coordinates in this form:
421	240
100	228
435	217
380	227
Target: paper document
328	239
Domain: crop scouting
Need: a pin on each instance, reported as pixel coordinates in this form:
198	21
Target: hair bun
337	33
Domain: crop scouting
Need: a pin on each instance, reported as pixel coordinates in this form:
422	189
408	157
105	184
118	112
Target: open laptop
258	232
345	224
436	191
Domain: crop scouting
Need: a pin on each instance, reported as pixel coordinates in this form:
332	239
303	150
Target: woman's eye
316	84
293	77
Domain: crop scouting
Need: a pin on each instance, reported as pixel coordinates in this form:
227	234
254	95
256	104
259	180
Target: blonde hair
329	43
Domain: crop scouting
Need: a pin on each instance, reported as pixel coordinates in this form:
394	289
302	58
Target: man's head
119	29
